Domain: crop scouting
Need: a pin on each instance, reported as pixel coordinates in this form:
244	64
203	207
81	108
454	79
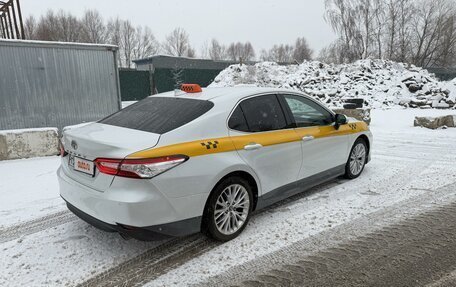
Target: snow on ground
380	83
64	255
127	103
28	189
407	162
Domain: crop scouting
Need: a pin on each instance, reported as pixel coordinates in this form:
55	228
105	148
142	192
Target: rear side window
237	121
158	114
263	113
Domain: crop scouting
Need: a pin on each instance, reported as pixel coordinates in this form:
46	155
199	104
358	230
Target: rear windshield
158	114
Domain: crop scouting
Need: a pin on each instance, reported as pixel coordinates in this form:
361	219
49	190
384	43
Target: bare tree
341	16
430	23
334	53
191	53
54	27
240	52
69	28
93	27
278	53
114	31
177	43
128	42
48	27
302	51
217	51
30	28
420	32
146	43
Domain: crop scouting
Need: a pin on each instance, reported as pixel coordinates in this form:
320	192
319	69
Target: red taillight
108	166
139	168
63	153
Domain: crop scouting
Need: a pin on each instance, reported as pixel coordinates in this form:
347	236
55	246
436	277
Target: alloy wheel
357	159
231	209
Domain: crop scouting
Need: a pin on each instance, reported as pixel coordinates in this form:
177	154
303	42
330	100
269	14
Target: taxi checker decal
226	144
209	145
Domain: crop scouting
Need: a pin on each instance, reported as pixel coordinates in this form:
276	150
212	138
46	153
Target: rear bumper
139	211
157	232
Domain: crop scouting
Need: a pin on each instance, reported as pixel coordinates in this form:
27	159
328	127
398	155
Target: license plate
82	165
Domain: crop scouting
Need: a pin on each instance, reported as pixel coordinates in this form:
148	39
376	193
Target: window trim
289	125
282	96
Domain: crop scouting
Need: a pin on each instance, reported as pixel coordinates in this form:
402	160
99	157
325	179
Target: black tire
208	224
348	171
351	106
358	102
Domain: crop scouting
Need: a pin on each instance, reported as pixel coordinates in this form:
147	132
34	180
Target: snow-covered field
407	163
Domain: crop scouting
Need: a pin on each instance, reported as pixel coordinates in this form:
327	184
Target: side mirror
340	120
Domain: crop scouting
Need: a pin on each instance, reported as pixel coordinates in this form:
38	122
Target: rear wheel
228	209
357	159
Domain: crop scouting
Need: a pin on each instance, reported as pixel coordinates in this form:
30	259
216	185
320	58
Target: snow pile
380	83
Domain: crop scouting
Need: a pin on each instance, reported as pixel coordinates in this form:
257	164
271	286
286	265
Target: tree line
421	32
136	42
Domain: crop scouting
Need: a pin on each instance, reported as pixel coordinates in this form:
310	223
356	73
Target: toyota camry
202	160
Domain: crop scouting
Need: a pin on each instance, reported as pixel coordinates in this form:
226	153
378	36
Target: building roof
172	62
56	44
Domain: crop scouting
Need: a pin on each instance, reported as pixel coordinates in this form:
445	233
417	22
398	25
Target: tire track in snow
399	178
157	261
36	225
417	248
152	263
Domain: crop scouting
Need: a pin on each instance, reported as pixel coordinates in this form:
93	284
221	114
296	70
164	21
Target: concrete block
26	143
435	122
359	114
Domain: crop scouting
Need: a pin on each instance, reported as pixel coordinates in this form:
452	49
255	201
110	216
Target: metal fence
169	72
47	84
134	85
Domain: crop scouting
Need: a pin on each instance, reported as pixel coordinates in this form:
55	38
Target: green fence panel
443	74
169	79
134	85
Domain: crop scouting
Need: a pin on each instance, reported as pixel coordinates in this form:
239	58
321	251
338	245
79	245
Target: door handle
253	146
307	138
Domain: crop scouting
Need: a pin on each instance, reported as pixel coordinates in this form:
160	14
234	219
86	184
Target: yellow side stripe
226	144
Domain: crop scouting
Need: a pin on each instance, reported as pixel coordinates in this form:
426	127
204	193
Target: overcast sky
262	22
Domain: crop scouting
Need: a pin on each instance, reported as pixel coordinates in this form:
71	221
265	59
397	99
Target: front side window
307	113
263	113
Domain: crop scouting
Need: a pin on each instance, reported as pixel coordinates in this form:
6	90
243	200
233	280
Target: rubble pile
380	83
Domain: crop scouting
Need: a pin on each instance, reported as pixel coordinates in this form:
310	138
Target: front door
323	146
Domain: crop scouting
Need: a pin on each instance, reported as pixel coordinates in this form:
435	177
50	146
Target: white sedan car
178	163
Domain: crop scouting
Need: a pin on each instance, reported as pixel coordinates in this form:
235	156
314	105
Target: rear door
323	146
266	141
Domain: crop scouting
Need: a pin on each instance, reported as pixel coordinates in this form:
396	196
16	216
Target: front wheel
357	159
228	209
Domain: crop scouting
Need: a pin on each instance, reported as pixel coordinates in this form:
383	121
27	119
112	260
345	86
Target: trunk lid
98	140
